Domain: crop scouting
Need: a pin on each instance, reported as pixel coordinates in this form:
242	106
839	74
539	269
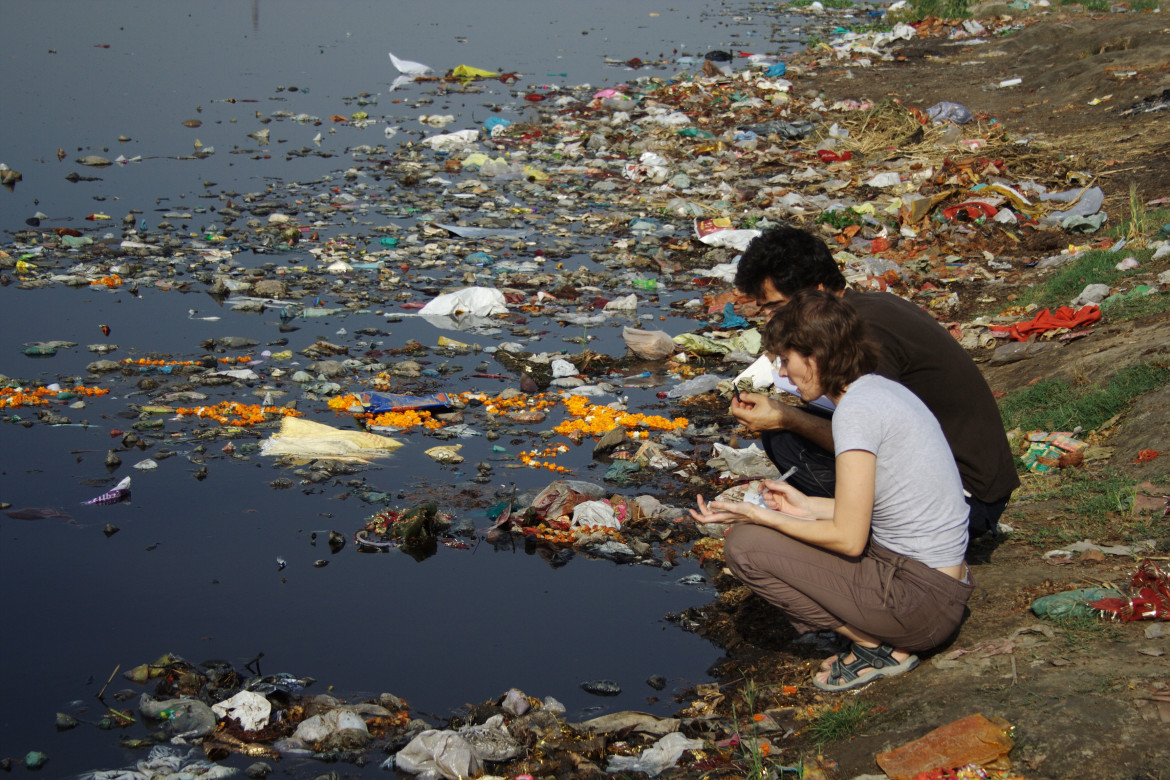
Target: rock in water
601	687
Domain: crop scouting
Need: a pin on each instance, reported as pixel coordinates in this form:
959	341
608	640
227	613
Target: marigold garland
588	420
156	362
15	397
234	413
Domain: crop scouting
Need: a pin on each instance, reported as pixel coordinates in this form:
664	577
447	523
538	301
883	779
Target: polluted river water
202	107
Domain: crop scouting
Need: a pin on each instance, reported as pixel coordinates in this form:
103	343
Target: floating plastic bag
468	73
697	386
648	344
625	303
374	402
662	755
480	301
446	142
650	166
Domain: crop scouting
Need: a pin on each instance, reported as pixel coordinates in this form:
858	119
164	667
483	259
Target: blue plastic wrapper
731	319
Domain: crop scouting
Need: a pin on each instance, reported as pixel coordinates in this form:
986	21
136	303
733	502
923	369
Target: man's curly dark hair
792	259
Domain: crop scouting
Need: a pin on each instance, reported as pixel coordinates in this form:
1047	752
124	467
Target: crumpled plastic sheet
446	142
1071	603
305	438
1085	202
250	709
491	740
946	111
648	344
703	383
434	754
632	720
623	303
594	514
979	656
662	755
730	239
164	763
320	727
480	301
974	739
550	502
1092	294
746	463
749	341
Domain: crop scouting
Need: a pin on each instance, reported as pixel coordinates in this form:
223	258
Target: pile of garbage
197	717
660	180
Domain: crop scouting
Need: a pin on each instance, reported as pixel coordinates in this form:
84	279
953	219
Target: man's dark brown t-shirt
918	352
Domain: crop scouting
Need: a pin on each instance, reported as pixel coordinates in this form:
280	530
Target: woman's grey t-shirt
918	508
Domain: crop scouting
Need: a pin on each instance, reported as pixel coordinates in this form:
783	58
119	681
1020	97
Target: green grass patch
1098	505
839	723
943	9
1100	267
1081	631
1058	405
1141	302
1096	266
840	218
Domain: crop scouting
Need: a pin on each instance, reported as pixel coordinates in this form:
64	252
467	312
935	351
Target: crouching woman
880	563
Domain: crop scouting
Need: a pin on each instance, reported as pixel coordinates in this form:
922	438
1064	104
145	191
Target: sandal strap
879	657
840	671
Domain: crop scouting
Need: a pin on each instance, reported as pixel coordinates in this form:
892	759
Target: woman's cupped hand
777	496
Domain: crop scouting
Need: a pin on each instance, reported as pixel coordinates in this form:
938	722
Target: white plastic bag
248	707
662	755
446	142
648	344
434	754
747	463
594	514
480	301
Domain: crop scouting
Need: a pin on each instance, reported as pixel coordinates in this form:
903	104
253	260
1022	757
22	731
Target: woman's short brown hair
824	327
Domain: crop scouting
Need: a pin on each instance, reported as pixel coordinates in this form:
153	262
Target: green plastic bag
1071	603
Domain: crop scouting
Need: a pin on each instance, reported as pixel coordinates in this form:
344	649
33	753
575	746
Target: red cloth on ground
1064	317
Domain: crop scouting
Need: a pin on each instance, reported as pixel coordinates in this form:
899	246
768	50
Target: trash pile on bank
192	718
661	180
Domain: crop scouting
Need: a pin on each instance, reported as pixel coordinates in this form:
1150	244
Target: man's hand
758	412
761	413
